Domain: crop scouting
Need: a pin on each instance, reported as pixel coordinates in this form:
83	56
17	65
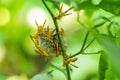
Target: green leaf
111	49
43	76
66	1
109	74
87	6
112	6
103	66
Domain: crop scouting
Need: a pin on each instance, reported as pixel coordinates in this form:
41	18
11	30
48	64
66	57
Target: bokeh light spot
36	14
4	16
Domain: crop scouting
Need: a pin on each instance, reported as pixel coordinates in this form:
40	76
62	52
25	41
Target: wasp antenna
44	23
36	23
31	37
53	31
68	14
61	7
74	65
37	51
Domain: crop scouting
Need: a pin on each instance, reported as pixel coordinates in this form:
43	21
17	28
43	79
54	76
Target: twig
84	42
82	48
89	43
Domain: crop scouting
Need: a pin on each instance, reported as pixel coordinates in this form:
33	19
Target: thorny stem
59	38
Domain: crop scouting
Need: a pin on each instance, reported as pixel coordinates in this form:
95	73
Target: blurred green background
17	22
18	61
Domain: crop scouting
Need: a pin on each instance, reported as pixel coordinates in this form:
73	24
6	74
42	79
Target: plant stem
92	53
56	27
76	54
80	21
68	10
89	44
84	42
59	38
82	48
52	65
85	53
